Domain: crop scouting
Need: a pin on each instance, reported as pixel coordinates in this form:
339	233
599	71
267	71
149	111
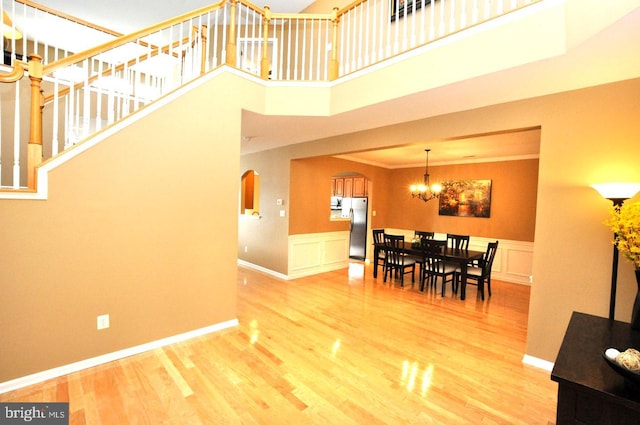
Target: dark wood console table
589	391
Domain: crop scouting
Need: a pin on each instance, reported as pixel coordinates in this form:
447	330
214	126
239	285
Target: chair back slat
433	253
423	235
489	255
393	245
378	236
458	241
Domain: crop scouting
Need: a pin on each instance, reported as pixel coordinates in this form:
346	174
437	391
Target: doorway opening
349	200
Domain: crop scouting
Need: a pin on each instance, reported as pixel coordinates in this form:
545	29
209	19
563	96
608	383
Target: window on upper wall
250	193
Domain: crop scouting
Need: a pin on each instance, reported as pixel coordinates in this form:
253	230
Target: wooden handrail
232	30
107	72
350	6
16	73
79	57
68	17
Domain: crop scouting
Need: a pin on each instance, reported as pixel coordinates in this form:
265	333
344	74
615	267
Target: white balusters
303	50
123	78
366	29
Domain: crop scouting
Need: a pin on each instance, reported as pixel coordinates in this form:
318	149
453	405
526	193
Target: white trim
539	363
106	358
249	265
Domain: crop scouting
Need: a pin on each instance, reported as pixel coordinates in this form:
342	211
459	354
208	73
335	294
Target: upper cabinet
359	186
337	186
349	187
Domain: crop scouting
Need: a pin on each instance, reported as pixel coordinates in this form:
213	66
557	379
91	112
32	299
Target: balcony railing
89	90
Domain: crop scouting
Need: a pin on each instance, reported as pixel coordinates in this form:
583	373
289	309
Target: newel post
34	149
333	64
203	49
264	62
231	44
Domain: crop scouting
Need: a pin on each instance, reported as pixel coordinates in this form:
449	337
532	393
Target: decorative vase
635	313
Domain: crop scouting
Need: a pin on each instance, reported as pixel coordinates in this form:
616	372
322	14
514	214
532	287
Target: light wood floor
337	348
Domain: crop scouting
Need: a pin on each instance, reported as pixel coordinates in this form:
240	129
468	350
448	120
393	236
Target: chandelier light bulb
425	191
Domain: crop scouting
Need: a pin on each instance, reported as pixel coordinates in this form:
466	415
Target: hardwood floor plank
340	347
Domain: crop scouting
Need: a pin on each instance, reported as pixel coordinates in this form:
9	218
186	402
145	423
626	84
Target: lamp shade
617	190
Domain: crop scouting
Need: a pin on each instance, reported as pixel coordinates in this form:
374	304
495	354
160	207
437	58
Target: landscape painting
466	198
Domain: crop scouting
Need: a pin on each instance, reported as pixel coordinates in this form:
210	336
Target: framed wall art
401	7
465	198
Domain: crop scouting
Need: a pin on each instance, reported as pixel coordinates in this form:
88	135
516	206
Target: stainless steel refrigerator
356	209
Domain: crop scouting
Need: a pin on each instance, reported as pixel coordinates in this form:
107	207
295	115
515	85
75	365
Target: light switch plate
103	321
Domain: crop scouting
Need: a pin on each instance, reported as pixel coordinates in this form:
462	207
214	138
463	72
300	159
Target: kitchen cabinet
349	187
337	187
359	187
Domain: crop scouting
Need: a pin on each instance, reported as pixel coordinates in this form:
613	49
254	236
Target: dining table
460	256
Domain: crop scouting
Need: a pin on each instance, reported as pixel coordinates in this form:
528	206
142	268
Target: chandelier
424	190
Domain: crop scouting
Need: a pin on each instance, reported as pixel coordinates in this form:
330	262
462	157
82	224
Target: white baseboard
106	358
270	272
536	362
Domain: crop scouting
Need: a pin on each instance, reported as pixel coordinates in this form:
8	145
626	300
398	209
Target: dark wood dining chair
458	241
421	235
481	272
436	266
396	262
378	241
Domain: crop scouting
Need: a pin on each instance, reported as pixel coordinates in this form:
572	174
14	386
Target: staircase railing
85	92
43	31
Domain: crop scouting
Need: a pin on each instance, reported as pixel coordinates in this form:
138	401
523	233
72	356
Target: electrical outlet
246	248
103	321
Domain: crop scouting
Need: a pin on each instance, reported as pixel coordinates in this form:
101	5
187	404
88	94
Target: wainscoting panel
519	261
317	253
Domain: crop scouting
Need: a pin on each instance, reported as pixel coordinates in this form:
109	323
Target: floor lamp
616	193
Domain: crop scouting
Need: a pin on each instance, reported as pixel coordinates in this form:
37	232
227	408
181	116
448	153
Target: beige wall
149	243
152	249
587	136
265	238
133	227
